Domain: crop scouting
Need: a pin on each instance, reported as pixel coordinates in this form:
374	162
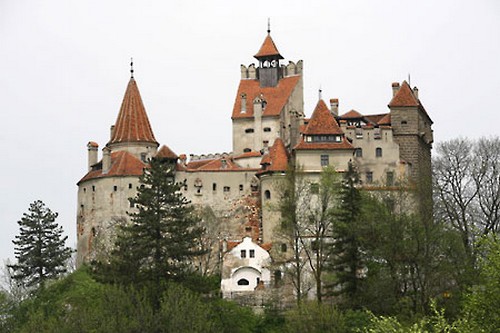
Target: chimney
111	132
183	159
334	106
92	153
415	92
106	159
395	88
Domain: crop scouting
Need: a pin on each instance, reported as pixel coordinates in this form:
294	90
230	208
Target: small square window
243	253
227	189
251	253
325	160
369	177
241	187
358	152
115	188
129	185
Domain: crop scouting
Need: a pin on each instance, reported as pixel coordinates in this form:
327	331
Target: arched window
267	194
358	152
243	282
378	152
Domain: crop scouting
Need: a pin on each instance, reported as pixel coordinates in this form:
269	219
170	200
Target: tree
163	236
40	251
346	260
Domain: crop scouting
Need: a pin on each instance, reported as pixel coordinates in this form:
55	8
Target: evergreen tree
40	250
164	234
346	259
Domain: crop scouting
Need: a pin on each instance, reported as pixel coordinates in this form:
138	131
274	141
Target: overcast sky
64	67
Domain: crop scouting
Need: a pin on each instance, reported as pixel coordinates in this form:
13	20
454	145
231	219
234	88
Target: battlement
210	156
292	69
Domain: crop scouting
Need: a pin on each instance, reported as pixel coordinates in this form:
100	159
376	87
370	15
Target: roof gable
132	124
353	114
166	152
322	121
404	97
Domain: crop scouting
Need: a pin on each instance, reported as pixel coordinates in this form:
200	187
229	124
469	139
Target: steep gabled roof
122	164
322	122
275	97
353	114
268	49
277	158
132	124
404	97
166	152
386	120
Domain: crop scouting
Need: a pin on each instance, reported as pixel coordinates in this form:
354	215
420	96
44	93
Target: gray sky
64	67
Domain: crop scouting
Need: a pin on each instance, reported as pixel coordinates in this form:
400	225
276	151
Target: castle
237	191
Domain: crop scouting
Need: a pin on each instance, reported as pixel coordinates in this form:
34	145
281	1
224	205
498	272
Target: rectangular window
243	253
227	189
378	152
325	160
369	177
129	185
390	178
214	187
358	152
115	188
241	187
251	253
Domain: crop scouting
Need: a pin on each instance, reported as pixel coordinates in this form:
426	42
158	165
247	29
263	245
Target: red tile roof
322	121
166	152
132	124
353	114
122	164
277	158
276	97
215	165
375	118
404	97
268	48
386	120
249	154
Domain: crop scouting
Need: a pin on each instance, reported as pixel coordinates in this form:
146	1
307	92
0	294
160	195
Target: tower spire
319	92
268	25
131	68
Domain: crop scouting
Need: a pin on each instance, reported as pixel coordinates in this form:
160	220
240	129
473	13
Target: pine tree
40	251
164	234
346	259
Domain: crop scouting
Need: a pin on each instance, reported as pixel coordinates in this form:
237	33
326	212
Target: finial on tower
319	92
268	25
131	68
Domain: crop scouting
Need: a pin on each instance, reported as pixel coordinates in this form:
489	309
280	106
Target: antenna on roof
131	68
319	92
268	25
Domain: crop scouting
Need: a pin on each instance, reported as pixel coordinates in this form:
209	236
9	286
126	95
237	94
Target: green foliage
314	317
40	251
80	304
483	301
162	238
346	257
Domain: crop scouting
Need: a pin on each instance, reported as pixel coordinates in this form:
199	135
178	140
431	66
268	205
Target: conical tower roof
268	49
132	124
